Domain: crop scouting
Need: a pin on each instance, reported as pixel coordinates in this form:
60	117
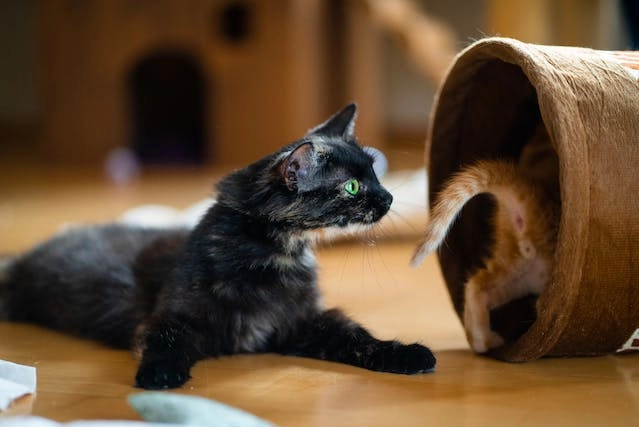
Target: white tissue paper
15	381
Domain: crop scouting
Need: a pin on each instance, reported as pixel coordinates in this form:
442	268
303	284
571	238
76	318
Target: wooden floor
84	380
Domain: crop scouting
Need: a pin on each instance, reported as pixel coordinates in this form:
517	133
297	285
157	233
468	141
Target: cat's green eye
352	187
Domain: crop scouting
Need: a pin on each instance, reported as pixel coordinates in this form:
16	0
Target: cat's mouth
368	218
372	217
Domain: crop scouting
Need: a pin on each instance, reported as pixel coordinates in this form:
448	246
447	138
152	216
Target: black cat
244	280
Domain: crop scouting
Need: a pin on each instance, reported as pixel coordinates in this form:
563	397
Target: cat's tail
496	177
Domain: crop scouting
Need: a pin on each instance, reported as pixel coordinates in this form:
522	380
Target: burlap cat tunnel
495	94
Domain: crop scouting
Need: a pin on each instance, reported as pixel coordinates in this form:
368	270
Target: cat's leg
334	337
169	348
493	287
477	304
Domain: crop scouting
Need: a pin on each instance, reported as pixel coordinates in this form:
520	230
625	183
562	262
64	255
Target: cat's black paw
161	374
405	359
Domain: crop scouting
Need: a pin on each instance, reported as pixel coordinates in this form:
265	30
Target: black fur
244	280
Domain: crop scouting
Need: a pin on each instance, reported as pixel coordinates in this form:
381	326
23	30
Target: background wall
64	63
20	98
598	24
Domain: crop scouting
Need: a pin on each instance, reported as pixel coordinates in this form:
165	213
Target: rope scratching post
496	93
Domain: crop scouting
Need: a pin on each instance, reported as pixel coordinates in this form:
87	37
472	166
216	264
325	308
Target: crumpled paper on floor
15	381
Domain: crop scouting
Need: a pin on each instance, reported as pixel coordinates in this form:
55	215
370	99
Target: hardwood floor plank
79	379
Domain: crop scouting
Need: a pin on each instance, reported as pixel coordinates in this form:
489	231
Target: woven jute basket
495	94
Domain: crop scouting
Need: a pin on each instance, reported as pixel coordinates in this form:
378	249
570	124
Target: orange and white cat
524	235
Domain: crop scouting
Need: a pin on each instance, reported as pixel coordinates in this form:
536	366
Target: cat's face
333	183
325	179
331	179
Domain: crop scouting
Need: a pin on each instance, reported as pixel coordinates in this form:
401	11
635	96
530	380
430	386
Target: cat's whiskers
393	221
372	256
330	234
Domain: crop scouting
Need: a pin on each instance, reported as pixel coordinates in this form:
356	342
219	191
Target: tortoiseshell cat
524	232
243	281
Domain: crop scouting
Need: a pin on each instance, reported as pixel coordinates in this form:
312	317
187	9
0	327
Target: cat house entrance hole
167	105
235	22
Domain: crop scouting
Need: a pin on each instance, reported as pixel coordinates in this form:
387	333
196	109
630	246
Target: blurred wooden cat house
217	81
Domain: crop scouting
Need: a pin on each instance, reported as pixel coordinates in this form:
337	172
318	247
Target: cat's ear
341	124
297	165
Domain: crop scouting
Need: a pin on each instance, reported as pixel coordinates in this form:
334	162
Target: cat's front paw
405	359
161	374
